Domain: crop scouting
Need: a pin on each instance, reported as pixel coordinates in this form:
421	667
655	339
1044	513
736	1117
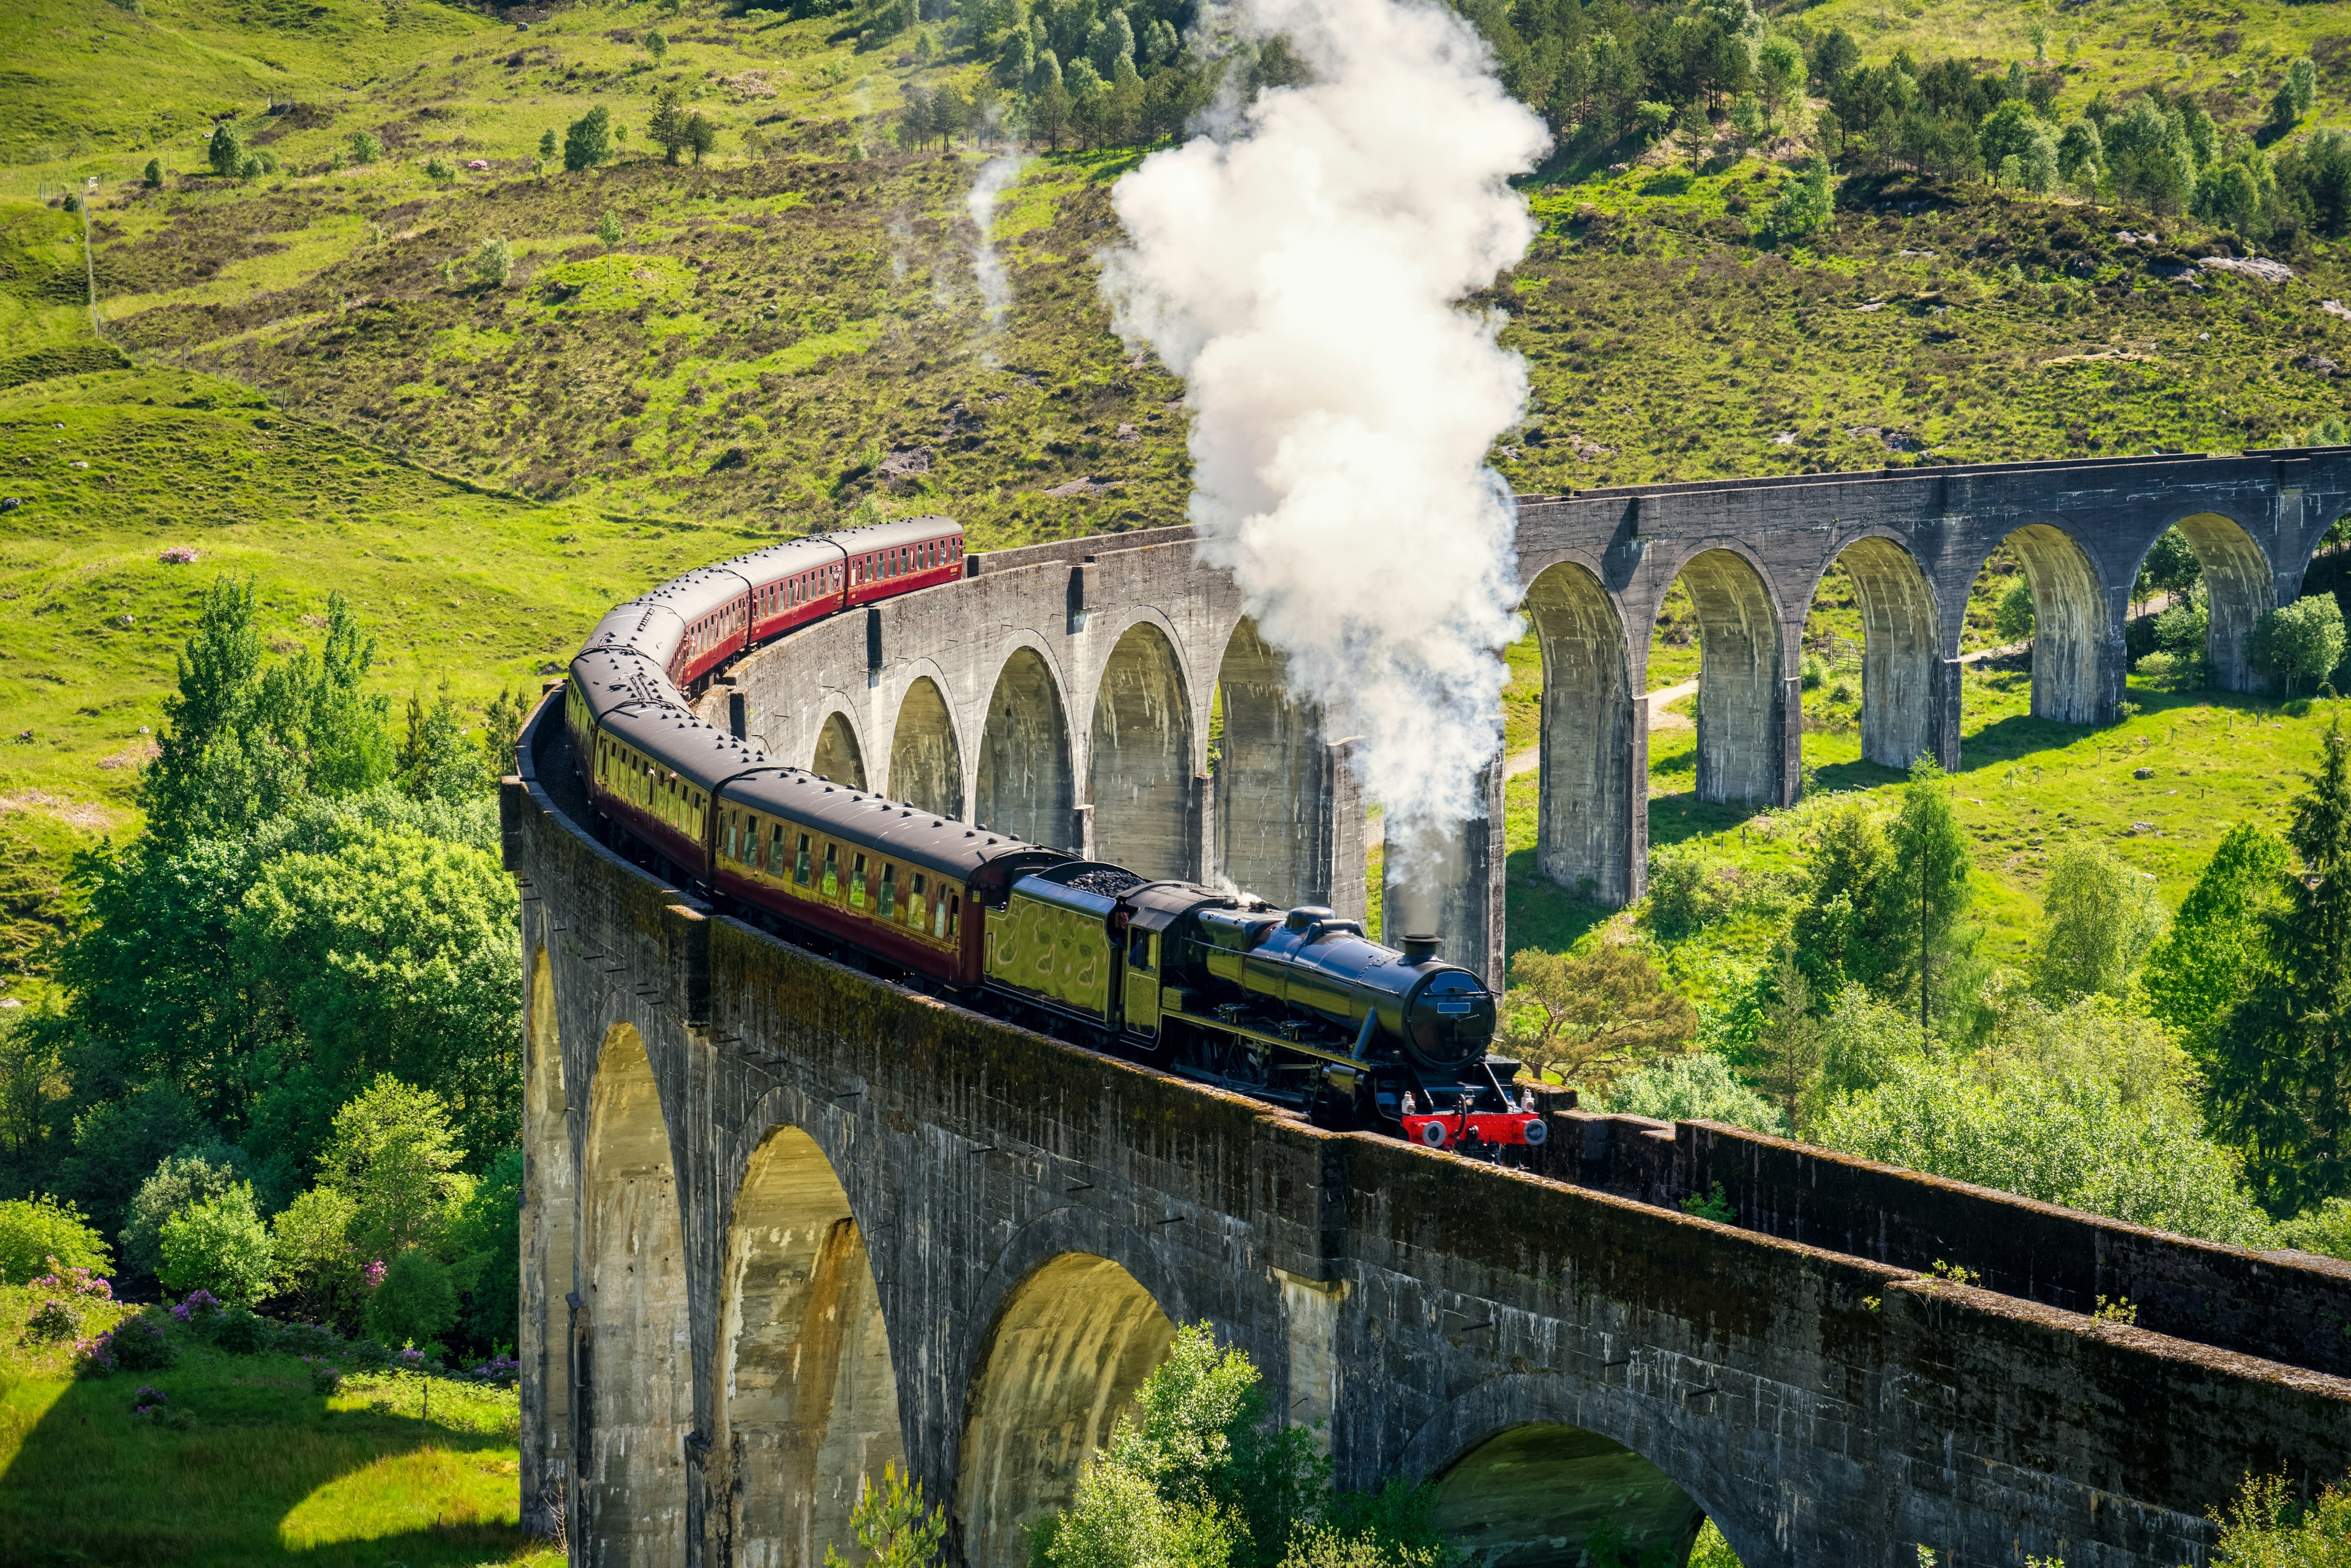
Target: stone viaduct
785	1222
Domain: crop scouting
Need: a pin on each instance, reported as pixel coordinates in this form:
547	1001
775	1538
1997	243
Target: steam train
1296	1008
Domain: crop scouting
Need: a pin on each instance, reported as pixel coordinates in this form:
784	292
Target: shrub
1699	1087
1814	672
52	1320
2012	617
139	1345
219	1245
241	1331
324	1378
152	175
197	1171
587	142
493	262
439	171
365	148
415	1302
42	1233
608	229
1684	893
2267	1528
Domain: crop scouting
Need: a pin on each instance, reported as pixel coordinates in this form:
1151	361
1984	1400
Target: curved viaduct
784	1223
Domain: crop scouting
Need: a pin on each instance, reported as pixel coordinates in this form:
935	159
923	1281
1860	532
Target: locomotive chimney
1419	947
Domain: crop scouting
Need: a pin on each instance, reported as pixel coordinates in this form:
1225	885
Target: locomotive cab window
1138	952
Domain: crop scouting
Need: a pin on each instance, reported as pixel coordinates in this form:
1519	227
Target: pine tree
1932	866
2278	1072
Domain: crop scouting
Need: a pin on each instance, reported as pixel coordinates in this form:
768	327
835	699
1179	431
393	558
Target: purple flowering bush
197	1306
134	1344
51	1320
503	1370
86	1282
178	555
325	1377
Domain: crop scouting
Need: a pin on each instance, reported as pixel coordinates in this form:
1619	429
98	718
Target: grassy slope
268	1472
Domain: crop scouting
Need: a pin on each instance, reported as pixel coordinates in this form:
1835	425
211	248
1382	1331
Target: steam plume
1302	269
996	176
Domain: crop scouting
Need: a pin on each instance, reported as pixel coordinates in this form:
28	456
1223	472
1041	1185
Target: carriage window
734	832
775	851
886	897
832	871
800	863
954	916
917	908
857	882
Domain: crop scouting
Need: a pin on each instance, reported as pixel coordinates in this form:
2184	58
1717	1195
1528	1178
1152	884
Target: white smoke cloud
1302	269
997	176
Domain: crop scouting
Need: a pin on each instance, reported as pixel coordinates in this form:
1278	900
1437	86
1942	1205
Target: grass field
264	1470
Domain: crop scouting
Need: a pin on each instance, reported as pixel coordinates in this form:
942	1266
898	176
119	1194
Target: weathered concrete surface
734	1146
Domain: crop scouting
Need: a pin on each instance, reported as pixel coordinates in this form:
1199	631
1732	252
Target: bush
241	1331
197	1171
415	1302
365	148
589	141
324	1378
2012	617
219	1245
1814	672
152	176
140	1345
440	171
1699	1087
493	262
2267	1528
2301	641
1684	893
52	1320
41	1233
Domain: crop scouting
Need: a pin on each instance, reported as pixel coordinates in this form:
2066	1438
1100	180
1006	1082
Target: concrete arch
1589	761
2239	587
1139	760
807	1398
1532	1496
1901	635
1742	743
1025	784
1271	781
1071	1346
633	1422
2070	625
838	757
926	758
550	1242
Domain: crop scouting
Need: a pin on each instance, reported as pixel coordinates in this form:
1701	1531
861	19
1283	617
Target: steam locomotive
1296	1007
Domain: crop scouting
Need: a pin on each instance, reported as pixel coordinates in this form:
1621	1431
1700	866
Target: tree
2203	964
2098	917
33	1231
316	1266
218	1244
1198	1473
2301	640
589	141
365	148
2081	156
1931	882
435	761
196	1172
1048	109
701	134
666	129
1834	54
1806	204
152	176
1791	1045
2008	132
2170	568
391	955
393	1155
485	1244
226	149
608	230
492	263
1590	1019
656	44
2069	1141
2278	1066
2012	617
1778	73
2295	95
1840	933
890	1523
415	1302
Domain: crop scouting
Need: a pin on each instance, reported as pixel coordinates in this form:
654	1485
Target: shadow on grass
1541	915
90	1483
